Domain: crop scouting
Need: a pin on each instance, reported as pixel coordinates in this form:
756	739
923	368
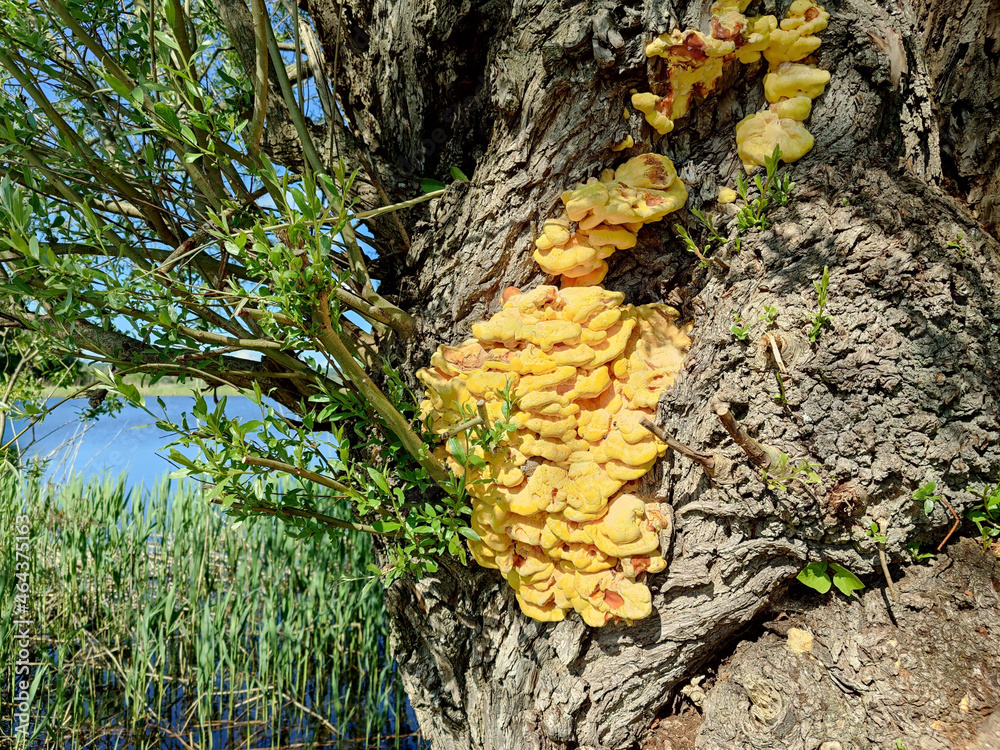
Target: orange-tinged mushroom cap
647	171
542	492
588	488
656	110
568	531
756	38
633	567
584	199
554	232
789	46
585	558
618	236
547	613
627	600
588	279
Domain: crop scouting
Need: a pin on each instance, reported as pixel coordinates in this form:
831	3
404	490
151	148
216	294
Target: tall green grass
159	624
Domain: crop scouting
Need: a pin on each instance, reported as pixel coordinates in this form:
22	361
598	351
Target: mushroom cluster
605	215
695	63
790	89
555	509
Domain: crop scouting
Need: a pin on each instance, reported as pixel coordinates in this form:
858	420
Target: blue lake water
128	442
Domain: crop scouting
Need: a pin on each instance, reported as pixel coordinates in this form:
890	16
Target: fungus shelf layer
695	63
604	215
554	509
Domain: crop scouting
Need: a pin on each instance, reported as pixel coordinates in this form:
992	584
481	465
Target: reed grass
157	623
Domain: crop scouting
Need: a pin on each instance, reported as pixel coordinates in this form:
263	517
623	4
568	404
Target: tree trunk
898	198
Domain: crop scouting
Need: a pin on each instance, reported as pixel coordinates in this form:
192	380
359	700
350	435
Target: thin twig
397	206
270	463
707	461
777	353
460	428
353	372
204	232
303	513
882	526
757	453
958	522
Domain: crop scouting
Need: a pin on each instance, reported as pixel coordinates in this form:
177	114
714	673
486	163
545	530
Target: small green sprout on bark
771	189
874	532
713	238
986	516
692	247
779	475
429	185
739	331
956	244
818	576
926	496
913	549
820	318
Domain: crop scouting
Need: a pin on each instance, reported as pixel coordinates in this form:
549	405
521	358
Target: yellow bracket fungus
555	509
607	214
695	63
655	109
625	143
759	133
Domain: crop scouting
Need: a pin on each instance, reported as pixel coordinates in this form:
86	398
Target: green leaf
386	526
845	580
379	479
130	392
456	450
469	533
814	576
458	174
167	40
119	87
166	113
431	186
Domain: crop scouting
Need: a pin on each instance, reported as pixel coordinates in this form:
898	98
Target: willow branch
312	476
292	512
258	10
366	386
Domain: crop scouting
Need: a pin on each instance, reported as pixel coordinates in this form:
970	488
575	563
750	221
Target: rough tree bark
899	198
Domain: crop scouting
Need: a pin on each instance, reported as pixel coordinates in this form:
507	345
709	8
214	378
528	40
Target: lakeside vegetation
158	622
